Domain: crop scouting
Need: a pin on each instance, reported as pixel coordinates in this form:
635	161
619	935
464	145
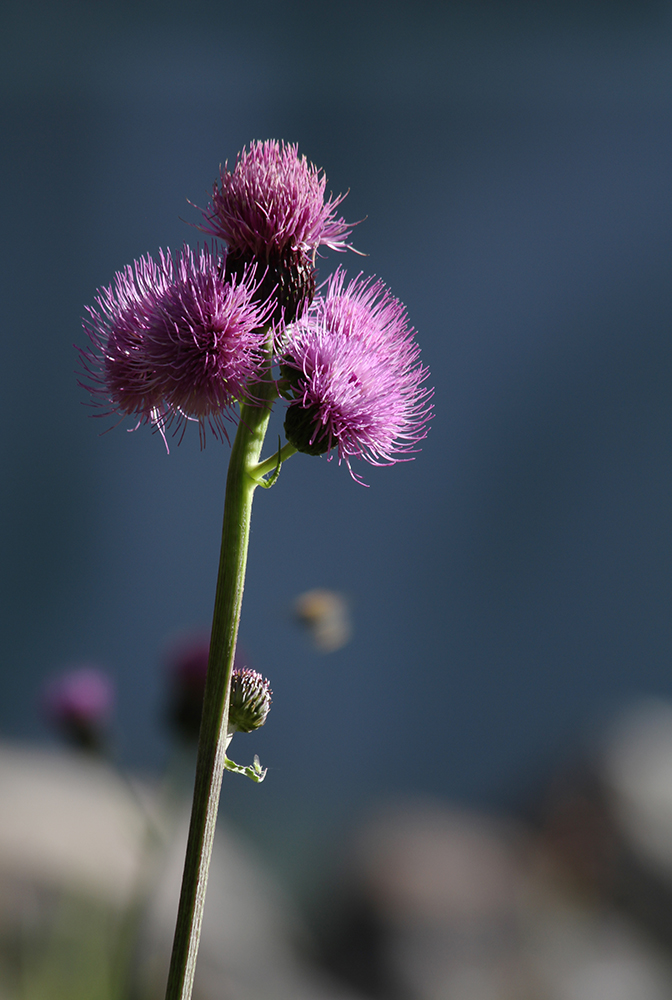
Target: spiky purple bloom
273	199
174	340
271	209
354	372
79	702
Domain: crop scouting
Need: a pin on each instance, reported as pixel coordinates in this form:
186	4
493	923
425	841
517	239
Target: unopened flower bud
250	701
304	430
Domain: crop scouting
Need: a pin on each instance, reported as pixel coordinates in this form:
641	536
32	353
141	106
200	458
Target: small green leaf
254	771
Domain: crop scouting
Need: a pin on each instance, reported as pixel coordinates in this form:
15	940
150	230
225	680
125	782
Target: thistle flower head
354	373
79	703
249	702
174	340
271	209
117	327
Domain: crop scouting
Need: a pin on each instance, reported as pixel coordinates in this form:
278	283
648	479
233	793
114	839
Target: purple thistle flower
354	373
79	702
174	340
273	200
271	208
117	329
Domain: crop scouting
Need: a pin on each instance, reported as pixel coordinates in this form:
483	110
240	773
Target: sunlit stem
242	479
272	463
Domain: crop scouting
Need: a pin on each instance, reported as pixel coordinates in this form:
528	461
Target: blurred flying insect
326	617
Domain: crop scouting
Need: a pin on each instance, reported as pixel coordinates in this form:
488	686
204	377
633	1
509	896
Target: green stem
271	464
240	487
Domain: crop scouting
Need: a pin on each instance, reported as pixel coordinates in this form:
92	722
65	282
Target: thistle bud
250	701
304	430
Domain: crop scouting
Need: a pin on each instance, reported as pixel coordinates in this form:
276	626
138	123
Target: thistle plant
216	337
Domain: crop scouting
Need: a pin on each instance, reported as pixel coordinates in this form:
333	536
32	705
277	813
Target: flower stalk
241	482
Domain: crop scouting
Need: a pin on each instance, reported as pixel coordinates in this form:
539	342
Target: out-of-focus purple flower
79	703
271	209
174	340
353	370
187	663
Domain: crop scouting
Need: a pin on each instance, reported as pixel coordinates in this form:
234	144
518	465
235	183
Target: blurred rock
443	887
441	903
434	902
71	829
68	821
636	769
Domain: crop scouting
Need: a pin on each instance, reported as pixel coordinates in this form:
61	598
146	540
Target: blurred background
509	589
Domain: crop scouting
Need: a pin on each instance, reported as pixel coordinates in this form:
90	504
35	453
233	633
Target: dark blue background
510	587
